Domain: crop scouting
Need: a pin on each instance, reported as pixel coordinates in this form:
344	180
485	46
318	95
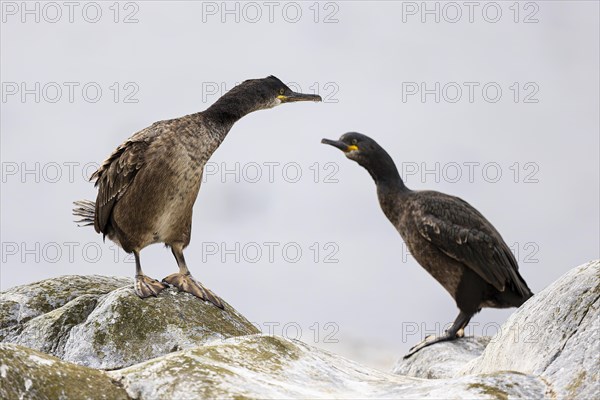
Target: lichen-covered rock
22	303
555	335
49	332
109	327
442	360
273	367
28	374
177	346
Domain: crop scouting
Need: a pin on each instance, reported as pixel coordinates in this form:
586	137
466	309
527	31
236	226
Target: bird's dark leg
185	282
145	286
460	333
457	330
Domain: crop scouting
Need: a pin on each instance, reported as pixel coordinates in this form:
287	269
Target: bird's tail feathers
520	287
86	211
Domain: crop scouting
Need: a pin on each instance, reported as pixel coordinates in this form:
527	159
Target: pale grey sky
514	131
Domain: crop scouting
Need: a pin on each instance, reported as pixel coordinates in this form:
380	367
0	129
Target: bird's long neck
391	189
226	111
385	174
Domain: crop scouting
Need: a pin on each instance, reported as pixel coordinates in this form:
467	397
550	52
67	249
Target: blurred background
497	103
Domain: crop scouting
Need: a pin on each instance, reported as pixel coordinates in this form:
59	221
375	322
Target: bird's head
270	92
357	147
367	153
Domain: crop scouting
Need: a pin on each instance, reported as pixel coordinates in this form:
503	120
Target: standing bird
446	235
148	185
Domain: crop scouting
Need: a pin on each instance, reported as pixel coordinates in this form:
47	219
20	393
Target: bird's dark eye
354	141
281	91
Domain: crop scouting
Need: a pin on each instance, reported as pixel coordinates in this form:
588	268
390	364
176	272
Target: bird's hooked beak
340	145
293	96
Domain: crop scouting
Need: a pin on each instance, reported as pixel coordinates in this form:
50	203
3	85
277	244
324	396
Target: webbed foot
145	286
187	283
429	340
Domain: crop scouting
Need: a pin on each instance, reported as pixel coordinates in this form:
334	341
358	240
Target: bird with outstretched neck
449	238
147	187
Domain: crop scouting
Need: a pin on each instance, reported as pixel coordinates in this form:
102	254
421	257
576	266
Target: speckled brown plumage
157	172
147	187
448	237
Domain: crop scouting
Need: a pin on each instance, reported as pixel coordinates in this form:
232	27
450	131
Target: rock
28	374
555	335
442	360
268	367
109	327
22	303
176	346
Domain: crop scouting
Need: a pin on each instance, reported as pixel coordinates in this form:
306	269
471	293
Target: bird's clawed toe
145	286
187	283
422	344
431	339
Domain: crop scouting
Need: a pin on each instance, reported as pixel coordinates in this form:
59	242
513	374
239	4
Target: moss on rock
489	391
100	322
28	374
49	332
124	330
22	303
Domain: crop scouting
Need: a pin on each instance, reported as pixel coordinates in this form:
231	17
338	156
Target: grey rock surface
101	323
29	374
442	360
22	303
176	346
555	335
270	367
